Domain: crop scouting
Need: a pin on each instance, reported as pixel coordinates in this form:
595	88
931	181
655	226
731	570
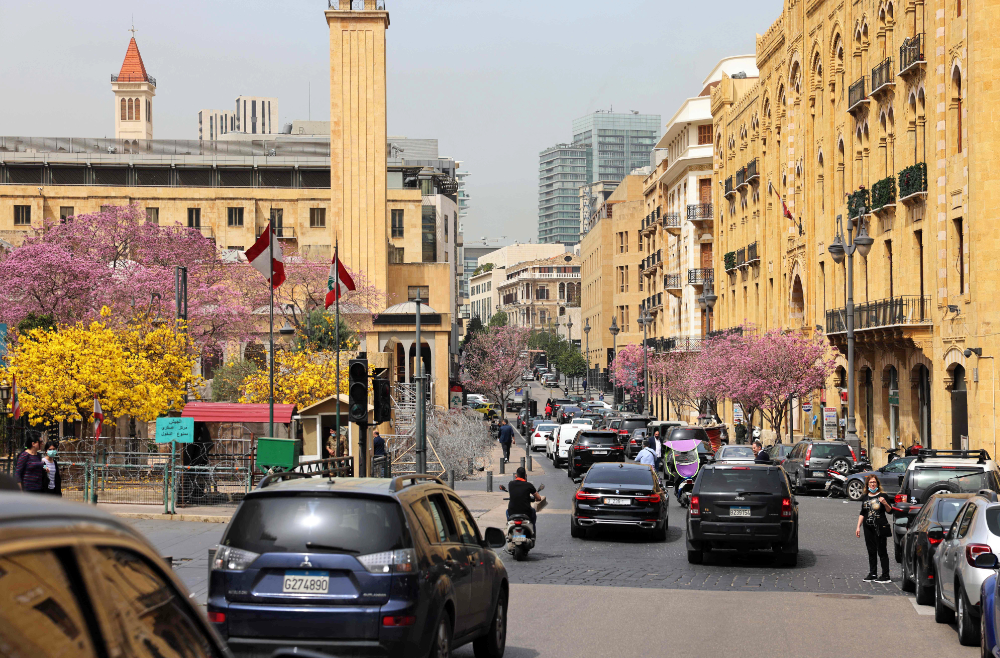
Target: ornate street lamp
707	301
569	337
586	332
839	250
645	319
614	355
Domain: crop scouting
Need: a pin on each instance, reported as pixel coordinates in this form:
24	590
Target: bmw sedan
620	495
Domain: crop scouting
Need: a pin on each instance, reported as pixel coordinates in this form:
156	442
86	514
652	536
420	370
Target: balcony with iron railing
911	54
729	189
729	261
741	177
752	255
856	95
858	202
649	224
280	232
699	212
699	276
752	173
913	183
672	222
672	284
884	195
129	77
883	78
882	314
741	258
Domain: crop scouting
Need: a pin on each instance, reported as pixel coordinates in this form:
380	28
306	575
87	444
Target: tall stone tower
358	136
134	90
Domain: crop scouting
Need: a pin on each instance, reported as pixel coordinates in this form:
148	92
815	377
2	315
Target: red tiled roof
232	412
133	69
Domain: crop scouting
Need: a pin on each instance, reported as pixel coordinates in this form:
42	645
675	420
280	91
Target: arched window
130	109
562	291
137	106
124	115
956	91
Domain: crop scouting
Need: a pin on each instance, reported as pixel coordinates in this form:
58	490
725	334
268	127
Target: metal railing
882	74
699	276
729	260
856	93
911	52
683	343
856	201
741	257
895	311
884	193
699	211
752	256
751	169
741	177
913	180
133	78
672	220
729	189
280	232
671	281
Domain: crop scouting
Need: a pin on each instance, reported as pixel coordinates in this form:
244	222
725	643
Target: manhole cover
843	596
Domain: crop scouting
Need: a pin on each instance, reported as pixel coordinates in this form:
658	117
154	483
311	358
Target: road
623	595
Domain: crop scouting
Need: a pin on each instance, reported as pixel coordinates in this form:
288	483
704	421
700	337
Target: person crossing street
506	438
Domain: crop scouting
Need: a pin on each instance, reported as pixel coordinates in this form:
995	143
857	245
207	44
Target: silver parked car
735	455
976	530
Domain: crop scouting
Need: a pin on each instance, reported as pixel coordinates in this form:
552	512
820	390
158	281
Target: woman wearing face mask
874	505
53	484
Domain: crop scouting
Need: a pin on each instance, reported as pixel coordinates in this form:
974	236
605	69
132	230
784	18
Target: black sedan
568	412
742	507
922	538
620	496
591	447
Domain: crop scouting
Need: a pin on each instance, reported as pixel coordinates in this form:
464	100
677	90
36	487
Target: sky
495	82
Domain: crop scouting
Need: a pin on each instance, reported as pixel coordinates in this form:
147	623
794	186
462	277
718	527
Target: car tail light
233	559
809	452
403	560
786	508
632	442
694	507
217	617
900	498
741	468
851	448
972	550
399	620
617	447
655	498
934	542
583	495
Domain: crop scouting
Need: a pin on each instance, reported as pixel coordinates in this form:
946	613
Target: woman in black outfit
874	505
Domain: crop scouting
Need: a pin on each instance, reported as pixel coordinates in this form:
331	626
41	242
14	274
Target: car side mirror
902	521
987	561
494	538
937	534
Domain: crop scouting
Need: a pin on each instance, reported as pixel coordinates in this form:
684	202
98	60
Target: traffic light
381	400
357	372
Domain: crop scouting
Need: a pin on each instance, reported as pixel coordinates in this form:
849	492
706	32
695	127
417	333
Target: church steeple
134	90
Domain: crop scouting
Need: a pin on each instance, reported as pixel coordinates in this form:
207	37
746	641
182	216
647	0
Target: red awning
233	412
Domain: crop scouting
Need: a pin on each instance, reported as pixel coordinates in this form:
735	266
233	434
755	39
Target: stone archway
796	303
959	406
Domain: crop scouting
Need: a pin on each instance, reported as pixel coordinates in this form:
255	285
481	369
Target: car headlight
232	559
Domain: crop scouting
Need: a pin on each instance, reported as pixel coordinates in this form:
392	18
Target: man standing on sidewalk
506	438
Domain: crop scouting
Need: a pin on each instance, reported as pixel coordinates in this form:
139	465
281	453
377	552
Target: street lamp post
8	444
557	341
707	302
614	355
586	332
838	251
645	319
569	337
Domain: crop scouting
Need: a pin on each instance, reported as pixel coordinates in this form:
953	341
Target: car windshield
546	427
583	421
947	509
597	438
569	410
268	524
688	434
736	452
827	450
615	475
968	479
765	480
634	424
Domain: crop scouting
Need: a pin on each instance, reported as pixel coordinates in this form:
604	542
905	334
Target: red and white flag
98	418
257	255
15	403
787	212
339	283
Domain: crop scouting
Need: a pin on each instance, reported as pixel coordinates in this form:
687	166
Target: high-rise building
134	90
463	194
212	124
256	115
562	169
606	147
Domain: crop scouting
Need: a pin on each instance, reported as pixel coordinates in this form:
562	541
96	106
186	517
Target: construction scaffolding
402	445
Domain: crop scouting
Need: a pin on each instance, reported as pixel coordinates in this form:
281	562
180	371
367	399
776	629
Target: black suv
388	567
590	447
742	507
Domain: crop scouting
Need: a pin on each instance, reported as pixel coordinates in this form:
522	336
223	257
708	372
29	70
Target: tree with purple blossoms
494	361
626	371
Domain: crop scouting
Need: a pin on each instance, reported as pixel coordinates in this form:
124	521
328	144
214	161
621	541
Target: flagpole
270	284
336	292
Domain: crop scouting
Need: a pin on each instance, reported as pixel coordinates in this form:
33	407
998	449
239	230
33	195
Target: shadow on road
762	559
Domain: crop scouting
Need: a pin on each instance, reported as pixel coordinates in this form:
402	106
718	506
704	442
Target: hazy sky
495	82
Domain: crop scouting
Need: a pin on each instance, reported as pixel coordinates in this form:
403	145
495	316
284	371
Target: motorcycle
521	531
838	473
684	492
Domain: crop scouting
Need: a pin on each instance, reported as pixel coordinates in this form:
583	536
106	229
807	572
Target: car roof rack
925	453
401	481
989	495
273	478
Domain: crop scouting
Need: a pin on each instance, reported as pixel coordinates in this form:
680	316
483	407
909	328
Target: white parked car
562	442
598	404
589	422
541	435
475	398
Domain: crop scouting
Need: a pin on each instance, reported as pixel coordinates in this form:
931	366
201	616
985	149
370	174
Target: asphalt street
617	593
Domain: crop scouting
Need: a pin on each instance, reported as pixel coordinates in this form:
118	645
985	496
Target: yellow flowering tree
301	378
140	370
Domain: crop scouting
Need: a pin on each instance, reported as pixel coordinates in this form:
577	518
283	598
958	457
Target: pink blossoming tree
494	363
677	376
626	370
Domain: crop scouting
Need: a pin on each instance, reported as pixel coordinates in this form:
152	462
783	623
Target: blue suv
358	566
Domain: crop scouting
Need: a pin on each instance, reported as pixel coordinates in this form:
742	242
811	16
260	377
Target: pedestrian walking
51	464
506	438
648	453
331	446
378	445
658	448
760	455
30	472
740	432
873	508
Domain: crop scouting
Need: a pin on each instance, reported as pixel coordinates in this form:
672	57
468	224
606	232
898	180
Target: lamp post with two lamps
839	250
8	448
586	332
614	355
569	337
645	319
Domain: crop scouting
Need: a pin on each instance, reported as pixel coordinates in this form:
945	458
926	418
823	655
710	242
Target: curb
199	518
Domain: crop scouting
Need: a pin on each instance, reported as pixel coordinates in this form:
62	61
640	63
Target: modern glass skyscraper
562	169
606	147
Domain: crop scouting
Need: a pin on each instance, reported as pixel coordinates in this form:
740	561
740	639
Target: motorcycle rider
522	494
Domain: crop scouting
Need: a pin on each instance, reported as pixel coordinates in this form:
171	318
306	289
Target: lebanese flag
257	255
787	212
15	403
98	418
338	275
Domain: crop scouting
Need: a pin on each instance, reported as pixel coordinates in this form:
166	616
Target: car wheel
925	593
696	557
855	490
908	585
660	534
798	487
968	630
790	559
897	552
985	651
575	531
942	613
492	644
441	643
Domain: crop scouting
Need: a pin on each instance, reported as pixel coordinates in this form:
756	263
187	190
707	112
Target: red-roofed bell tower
134	90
